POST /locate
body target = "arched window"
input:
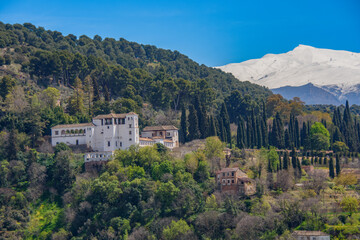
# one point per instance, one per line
(63, 132)
(76, 131)
(67, 131)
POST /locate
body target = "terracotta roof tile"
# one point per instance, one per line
(160, 128)
(114, 115)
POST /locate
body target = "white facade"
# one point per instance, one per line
(106, 132)
(167, 135)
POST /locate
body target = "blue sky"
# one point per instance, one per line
(210, 32)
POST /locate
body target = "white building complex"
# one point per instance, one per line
(107, 133)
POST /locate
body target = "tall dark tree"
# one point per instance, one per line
(259, 133)
(297, 134)
(194, 132)
(183, 126)
(331, 168)
(264, 127)
(212, 126)
(304, 135)
(337, 165)
(240, 137)
(224, 116)
(286, 160)
(293, 158)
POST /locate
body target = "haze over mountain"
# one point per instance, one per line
(330, 72)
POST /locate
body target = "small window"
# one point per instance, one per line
(232, 181)
(130, 139)
(57, 142)
(129, 125)
(77, 142)
(228, 174)
(102, 122)
(116, 143)
(223, 174)
(120, 144)
(108, 143)
(232, 173)
(108, 127)
(56, 132)
(115, 121)
(129, 132)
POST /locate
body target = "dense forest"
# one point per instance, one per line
(153, 193)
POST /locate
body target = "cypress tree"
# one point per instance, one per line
(193, 124)
(286, 160)
(336, 117)
(291, 131)
(183, 126)
(212, 127)
(303, 135)
(331, 168)
(259, 133)
(240, 134)
(226, 123)
(338, 169)
(249, 133)
(254, 129)
(293, 158)
(264, 127)
(298, 168)
(297, 133)
(287, 139)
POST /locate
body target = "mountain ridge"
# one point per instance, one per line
(325, 68)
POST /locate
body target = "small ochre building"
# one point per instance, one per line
(233, 181)
(109, 132)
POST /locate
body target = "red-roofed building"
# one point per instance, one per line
(233, 181)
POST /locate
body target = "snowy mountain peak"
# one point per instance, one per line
(325, 68)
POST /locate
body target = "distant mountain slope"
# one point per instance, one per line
(337, 72)
(308, 93)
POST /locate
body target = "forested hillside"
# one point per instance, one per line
(150, 192)
(112, 64)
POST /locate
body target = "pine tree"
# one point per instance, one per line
(331, 168)
(193, 124)
(337, 165)
(183, 126)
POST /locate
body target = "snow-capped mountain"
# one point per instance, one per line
(335, 72)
